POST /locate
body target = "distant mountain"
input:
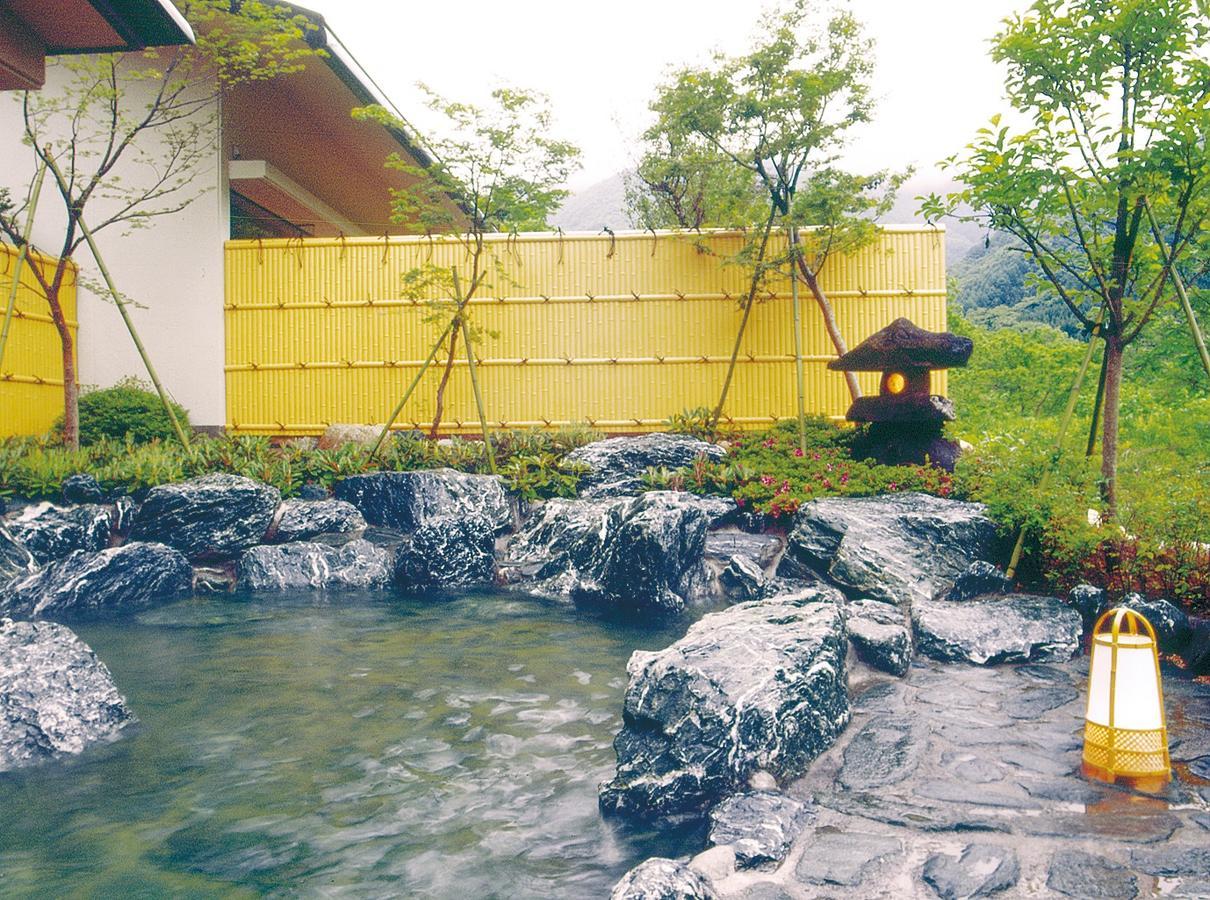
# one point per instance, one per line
(604, 204)
(595, 207)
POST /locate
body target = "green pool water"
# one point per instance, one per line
(343, 746)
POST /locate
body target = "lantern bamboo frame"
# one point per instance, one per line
(1137, 757)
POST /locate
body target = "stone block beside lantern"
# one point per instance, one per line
(905, 418)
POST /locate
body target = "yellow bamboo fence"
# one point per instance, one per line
(31, 373)
(619, 332)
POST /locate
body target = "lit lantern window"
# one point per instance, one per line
(1125, 738)
(895, 383)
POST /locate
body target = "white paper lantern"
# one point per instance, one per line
(1125, 737)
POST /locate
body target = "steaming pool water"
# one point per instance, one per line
(348, 745)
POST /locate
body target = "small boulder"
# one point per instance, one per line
(15, 560)
(758, 686)
(121, 579)
(312, 491)
(57, 697)
(616, 465)
(211, 517)
(880, 635)
(448, 552)
(338, 435)
(980, 579)
(305, 520)
(1170, 622)
(760, 826)
(742, 579)
(663, 879)
(897, 548)
(82, 488)
(407, 500)
(1197, 653)
(990, 630)
(980, 871)
(51, 532)
(1088, 601)
(298, 565)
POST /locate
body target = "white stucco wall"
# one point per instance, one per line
(172, 268)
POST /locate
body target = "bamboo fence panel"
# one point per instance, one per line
(31, 373)
(619, 332)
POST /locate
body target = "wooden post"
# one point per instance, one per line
(22, 254)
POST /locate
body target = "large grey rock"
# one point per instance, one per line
(51, 532)
(880, 635)
(1074, 873)
(121, 579)
(447, 552)
(1007, 628)
(898, 548)
(759, 826)
(662, 879)
(625, 553)
(616, 465)
(56, 697)
(305, 520)
(214, 516)
(407, 500)
(759, 686)
(15, 560)
(297, 565)
(980, 871)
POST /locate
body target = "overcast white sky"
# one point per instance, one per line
(599, 63)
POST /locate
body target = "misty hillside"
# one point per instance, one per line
(604, 204)
(593, 208)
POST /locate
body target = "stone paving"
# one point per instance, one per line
(960, 781)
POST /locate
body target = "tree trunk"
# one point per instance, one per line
(71, 388)
(829, 321)
(1109, 434)
(445, 379)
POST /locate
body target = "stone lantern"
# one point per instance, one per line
(905, 419)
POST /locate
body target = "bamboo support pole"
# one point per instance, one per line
(470, 362)
(121, 305)
(415, 383)
(1096, 407)
(743, 323)
(1064, 423)
(799, 374)
(22, 255)
(1179, 283)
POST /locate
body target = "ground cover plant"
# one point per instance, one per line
(532, 464)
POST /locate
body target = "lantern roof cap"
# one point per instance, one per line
(903, 345)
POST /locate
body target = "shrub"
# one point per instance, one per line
(128, 409)
(768, 473)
